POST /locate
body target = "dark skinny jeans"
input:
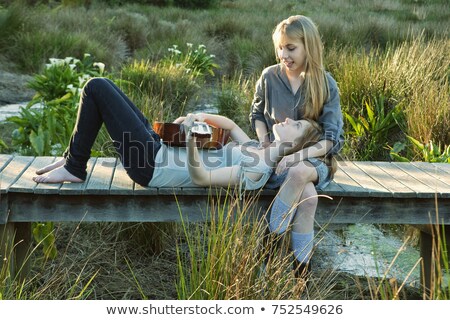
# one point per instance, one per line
(132, 136)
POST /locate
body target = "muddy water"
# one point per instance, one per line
(369, 250)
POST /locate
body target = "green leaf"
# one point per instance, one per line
(416, 143)
(351, 120)
(37, 142)
(370, 114)
(364, 123)
(397, 157)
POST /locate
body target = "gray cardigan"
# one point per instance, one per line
(274, 102)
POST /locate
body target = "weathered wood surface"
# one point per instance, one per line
(367, 192)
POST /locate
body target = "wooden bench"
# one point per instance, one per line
(362, 192)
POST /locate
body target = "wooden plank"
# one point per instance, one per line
(443, 166)
(163, 208)
(372, 187)
(140, 190)
(438, 187)
(435, 172)
(386, 211)
(394, 186)
(4, 160)
(121, 182)
(12, 172)
(94, 208)
(101, 177)
(78, 188)
(333, 189)
(25, 183)
(421, 189)
(350, 186)
(169, 191)
(194, 191)
(4, 209)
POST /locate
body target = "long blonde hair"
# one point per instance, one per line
(316, 87)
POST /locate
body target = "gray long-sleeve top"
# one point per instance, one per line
(274, 102)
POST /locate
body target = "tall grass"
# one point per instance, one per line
(97, 261)
(226, 258)
(413, 75)
(162, 92)
(59, 283)
(223, 259)
(234, 99)
(439, 286)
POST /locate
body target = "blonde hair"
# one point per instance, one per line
(311, 136)
(316, 88)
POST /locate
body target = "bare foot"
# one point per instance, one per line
(57, 175)
(51, 166)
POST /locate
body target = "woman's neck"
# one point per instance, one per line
(296, 79)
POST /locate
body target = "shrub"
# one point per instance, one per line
(47, 130)
(234, 100)
(194, 60)
(33, 35)
(429, 152)
(133, 28)
(167, 87)
(369, 133)
(196, 4)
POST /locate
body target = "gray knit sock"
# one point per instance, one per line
(302, 245)
(280, 216)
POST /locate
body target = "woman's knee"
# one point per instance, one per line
(302, 173)
(95, 84)
(306, 210)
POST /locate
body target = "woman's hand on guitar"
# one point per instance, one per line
(200, 117)
(179, 120)
(189, 120)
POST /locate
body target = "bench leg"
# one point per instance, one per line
(15, 244)
(428, 249)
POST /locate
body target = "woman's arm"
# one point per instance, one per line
(224, 177)
(261, 131)
(218, 121)
(319, 149)
(256, 116)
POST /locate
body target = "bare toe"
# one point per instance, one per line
(58, 175)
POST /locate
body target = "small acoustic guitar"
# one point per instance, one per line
(208, 137)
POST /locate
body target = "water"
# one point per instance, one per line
(10, 110)
(206, 108)
(370, 251)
